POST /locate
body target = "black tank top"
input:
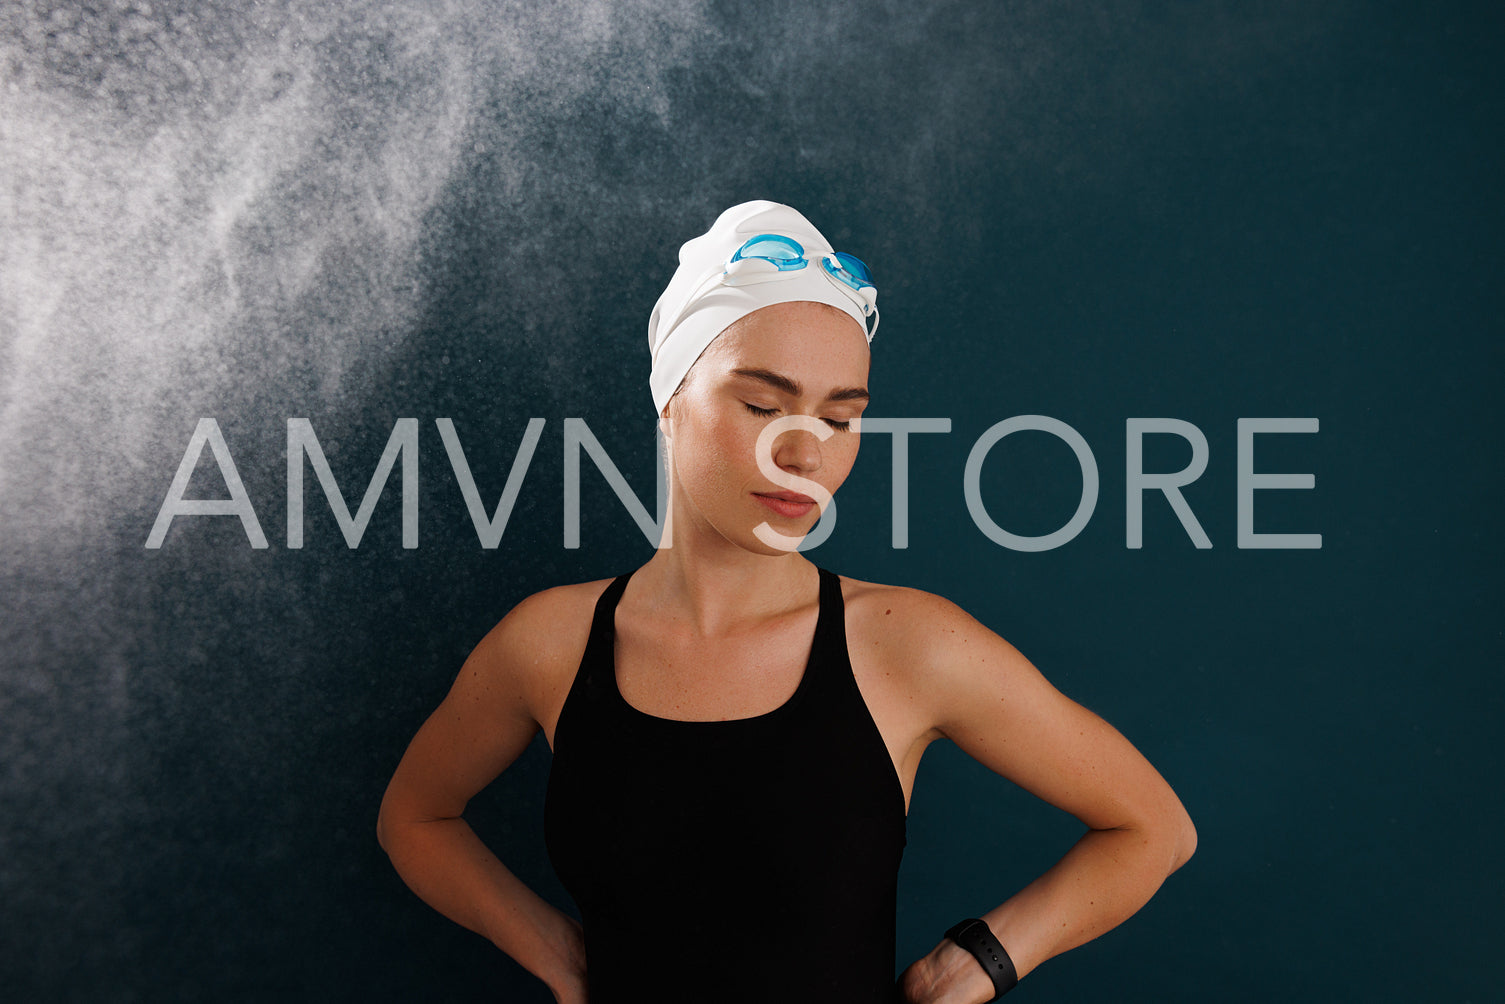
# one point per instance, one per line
(719, 862)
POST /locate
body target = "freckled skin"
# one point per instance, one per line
(712, 433)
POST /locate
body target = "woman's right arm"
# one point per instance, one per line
(482, 726)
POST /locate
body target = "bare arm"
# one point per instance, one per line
(480, 728)
(994, 704)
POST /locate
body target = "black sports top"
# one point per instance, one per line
(719, 862)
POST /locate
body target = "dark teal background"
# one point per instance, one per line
(1095, 212)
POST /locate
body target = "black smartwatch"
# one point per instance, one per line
(976, 937)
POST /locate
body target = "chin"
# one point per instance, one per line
(756, 543)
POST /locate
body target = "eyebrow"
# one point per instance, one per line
(788, 386)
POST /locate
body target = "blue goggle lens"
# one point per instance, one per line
(850, 270)
(785, 253)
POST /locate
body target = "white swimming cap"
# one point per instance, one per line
(692, 311)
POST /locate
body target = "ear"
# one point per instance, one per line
(665, 423)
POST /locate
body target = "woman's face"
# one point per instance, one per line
(799, 358)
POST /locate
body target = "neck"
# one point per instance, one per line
(716, 590)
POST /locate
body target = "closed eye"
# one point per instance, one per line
(766, 412)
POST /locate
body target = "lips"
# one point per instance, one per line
(789, 505)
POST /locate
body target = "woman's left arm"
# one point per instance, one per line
(993, 703)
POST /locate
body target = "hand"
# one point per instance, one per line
(948, 975)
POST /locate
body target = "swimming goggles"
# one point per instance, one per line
(769, 257)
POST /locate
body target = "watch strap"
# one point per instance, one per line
(976, 937)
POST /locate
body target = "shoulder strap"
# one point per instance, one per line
(598, 647)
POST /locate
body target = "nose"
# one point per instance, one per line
(798, 451)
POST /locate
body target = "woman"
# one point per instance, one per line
(736, 730)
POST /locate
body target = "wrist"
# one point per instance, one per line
(563, 972)
(976, 938)
(957, 977)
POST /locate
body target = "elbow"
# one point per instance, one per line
(398, 824)
(387, 826)
(1169, 836)
(381, 832)
(1186, 840)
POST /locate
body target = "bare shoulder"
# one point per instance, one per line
(882, 616)
(534, 650)
(498, 703)
(939, 653)
(907, 620)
